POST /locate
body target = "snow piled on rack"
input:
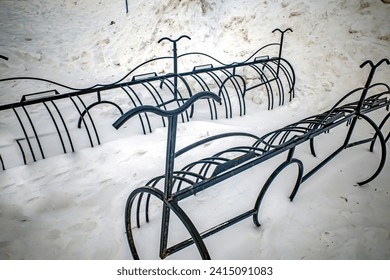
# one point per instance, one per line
(72, 206)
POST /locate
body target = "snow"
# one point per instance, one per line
(71, 206)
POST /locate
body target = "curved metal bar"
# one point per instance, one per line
(93, 105)
(383, 145)
(273, 136)
(184, 174)
(90, 118)
(286, 74)
(64, 124)
(197, 239)
(25, 135)
(147, 108)
(212, 138)
(154, 98)
(204, 161)
(178, 99)
(291, 77)
(128, 215)
(2, 163)
(267, 83)
(218, 82)
(242, 150)
(135, 105)
(271, 178)
(279, 84)
(153, 183)
(380, 84)
(85, 125)
(223, 89)
(34, 131)
(204, 87)
(380, 128)
(56, 126)
(229, 64)
(284, 31)
(376, 65)
(274, 78)
(174, 40)
(40, 80)
(240, 92)
(327, 115)
(22, 151)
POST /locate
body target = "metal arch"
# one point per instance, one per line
(223, 89)
(168, 206)
(89, 107)
(267, 83)
(56, 126)
(178, 100)
(135, 105)
(34, 131)
(64, 124)
(155, 181)
(205, 87)
(22, 151)
(218, 83)
(276, 79)
(90, 118)
(158, 104)
(26, 137)
(290, 76)
(383, 145)
(380, 128)
(271, 179)
(212, 138)
(147, 108)
(85, 125)
(240, 91)
(286, 75)
(326, 116)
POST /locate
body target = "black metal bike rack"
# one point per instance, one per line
(177, 185)
(169, 89)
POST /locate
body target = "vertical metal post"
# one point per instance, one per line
(127, 7)
(364, 95)
(280, 46)
(174, 49)
(168, 184)
(174, 70)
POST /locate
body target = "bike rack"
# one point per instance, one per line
(274, 76)
(177, 185)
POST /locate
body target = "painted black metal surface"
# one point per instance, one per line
(177, 185)
(274, 77)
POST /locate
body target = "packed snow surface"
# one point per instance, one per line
(71, 206)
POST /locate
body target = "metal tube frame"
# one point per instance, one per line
(274, 70)
(280, 141)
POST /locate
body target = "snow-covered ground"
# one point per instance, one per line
(71, 206)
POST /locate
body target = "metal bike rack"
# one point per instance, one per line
(32, 142)
(177, 185)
